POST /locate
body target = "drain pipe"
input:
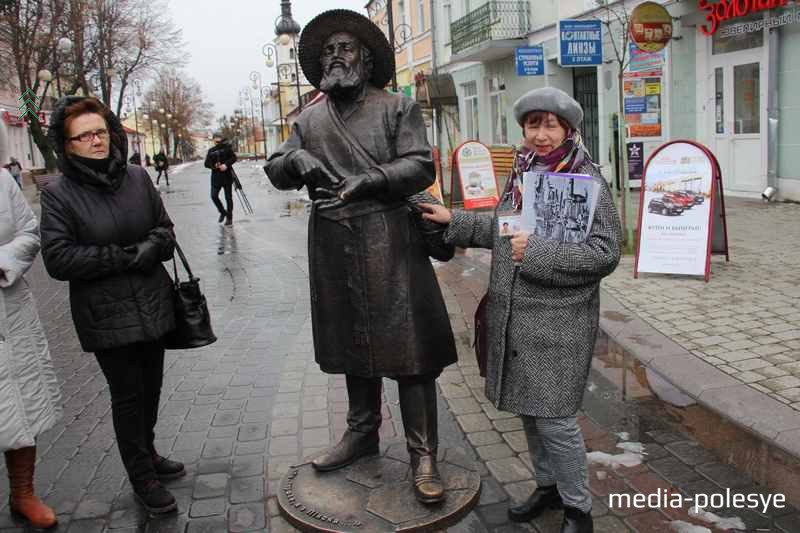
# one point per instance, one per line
(773, 118)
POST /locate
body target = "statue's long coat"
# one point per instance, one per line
(377, 309)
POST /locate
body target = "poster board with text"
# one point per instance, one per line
(474, 169)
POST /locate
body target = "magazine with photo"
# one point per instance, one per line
(560, 207)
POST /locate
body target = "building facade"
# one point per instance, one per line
(732, 90)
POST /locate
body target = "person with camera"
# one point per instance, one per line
(220, 159)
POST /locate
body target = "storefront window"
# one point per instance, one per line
(471, 110)
(497, 98)
(719, 100)
(747, 102)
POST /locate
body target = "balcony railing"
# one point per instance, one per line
(497, 19)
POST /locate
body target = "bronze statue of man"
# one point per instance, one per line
(377, 310)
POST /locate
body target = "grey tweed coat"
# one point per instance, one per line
(543, 315)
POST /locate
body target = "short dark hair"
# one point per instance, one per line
(536, 117)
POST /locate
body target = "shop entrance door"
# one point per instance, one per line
(739, 85)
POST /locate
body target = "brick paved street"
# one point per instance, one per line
(240, 411)
(746, 320)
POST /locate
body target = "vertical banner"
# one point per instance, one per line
(680, 186)
(635, 160)
(475, 169)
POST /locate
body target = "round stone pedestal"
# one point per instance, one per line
(375, 494)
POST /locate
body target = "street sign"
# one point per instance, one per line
(530, 61)
(650, 27)
(580, 43)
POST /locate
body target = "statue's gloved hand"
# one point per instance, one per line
(353, 188)
(311, 171)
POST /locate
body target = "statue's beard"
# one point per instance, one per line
(342, 82)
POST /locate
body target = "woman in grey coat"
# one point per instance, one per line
(543, 308)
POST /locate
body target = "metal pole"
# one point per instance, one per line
(390, 21)
(253, 124)
(263, 127)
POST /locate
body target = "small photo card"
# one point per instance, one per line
(509, 223)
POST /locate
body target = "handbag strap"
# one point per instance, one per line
(184, 261)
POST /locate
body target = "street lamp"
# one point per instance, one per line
(63, 47)
(270, 52)
(255, 77)
(131, 99)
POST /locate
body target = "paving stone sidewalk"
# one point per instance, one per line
(746, 320)
(239, 412)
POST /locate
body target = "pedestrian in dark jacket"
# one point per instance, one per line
(543, 308)
(220, 160)
(162, 165)
(136, 159)
(105, 230)
(147, 160)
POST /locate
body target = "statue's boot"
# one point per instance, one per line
(418, 407)
(363, 420)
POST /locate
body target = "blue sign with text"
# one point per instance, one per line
(530, 61)
(580, 43)
(635, 105)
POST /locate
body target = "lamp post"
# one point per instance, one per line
(270, 52)
(63, 46)
(287, 29)
(255, 77)
(248, 96)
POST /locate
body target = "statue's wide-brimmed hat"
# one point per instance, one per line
(326, 24)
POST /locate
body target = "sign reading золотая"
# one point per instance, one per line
(580, 43)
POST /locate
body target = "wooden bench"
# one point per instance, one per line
(503, 159)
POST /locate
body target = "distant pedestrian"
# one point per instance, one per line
(105, 230)
(220, 160)
(147, 160)
(542, 308)
(136, 159)
(162, 165)
(15, 168)
(31, 401)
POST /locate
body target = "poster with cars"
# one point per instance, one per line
(475, 170)
(675, 213)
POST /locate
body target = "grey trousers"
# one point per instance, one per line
(559, 458)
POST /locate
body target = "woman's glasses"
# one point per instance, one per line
(88, 136)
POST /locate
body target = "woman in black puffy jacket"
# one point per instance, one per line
(105, 230)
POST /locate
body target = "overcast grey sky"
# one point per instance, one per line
(225, 37)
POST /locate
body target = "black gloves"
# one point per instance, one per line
(145, 255)
(353, 188)
(311, 171)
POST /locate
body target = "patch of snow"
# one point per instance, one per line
(623, 435)
(685, 527)
(615, 461)
(718, 521)
(633, 447)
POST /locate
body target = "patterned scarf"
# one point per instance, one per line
(566, 158)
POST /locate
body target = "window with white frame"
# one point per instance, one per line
(421, 16)
(470, 91)
(497, 101)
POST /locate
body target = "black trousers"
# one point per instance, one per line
(134, 374)
(215, 188)
(166, 175)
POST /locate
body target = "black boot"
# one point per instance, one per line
(154, 497)
(363, 420)
(221, 217)
(229, 220)
(418, 407)
(167, 469)
(541, 499)
(576, 521)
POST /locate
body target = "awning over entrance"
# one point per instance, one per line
(434, 90)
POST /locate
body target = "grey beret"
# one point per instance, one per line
(552, 100)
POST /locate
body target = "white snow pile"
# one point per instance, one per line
(623, 435)
(633, 447)
(718, 521)
(615, 461)
(685, 527)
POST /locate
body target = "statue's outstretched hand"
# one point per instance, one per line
(351, 188)
(311, 170)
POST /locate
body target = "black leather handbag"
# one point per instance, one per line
(192, 321)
